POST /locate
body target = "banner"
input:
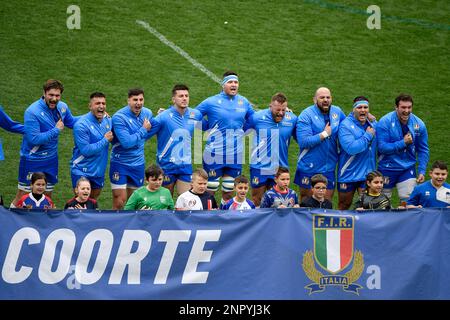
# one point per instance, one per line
(263, 254)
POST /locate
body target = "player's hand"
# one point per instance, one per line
(420, 178)
(408, 138)
(147, 125)
(109, 136)
(370, 130)
(60, 124)
(371, 117)
(328, 129)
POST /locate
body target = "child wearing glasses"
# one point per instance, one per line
(317, 200)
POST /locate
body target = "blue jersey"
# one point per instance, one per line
(174, 132)
(90, 153)
(270, 144)
(40, 141)
(28, 201)
(226, 116)
(318, 156)
(393, 153)
(358, 150)
(130, 136)
(232, 204)
(273, 198)
(10, 125)
(427, 195)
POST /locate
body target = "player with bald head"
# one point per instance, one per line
(317, 132)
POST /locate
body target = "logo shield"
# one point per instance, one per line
(333, 241)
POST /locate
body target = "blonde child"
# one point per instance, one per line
(82, 199)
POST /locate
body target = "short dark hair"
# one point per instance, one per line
(403, 97)
(372, 175)
(38, 175)
(281, 170)
(360, 98)
(135, 92)
(97, 94)
(153, 171)
(177, 87)
(240, 179)
(229, 73)
(315, 179)
(439, 164)
(279, 97)
(53, 84)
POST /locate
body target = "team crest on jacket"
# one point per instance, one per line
(255, 180)
(212, 173)
(334, 116)
(333, 252)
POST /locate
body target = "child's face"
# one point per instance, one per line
(438, 176)
(155, 183)
(283, 181)
(241, 191)
(199, 184)
(376, 185)
(319, 190)
(83, 190)
(38, 186)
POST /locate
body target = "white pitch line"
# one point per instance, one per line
(178, 50)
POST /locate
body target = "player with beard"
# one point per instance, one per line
(44, 121)
(317, 133)
(274, 127)
(223, 156)
(402, 138)
(92, 135)
(358, 151)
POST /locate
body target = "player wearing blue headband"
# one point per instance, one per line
(223, 155)
(358, 151)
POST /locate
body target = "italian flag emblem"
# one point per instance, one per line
(333, 241)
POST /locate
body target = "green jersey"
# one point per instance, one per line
(143, 199)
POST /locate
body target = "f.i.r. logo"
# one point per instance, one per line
(333, 252)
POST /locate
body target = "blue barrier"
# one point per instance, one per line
(261, 254)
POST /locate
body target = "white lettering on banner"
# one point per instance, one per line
(197, 255)
(9, 273)
(172, 239)
(132, 260)
(133, 248)
(106, 239)
(68, 239)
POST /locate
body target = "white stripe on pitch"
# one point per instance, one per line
(333, 250)
(178, 50)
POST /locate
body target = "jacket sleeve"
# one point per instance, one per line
(10, 125)
(82, 141)
(423, 151)
(350, 144)
(121, 132)
(384, 144)
(414, 198)
(305, 137)
(156, 126)
(70, 120)
(33, 132)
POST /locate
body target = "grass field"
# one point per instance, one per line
(289, 46)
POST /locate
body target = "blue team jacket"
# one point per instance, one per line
(10, 125)
(357, 150)
(40, 141)
(130, 136)
(265, 139)
(90, 153)
(174, 132)
(317, 156)
(393, 154)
